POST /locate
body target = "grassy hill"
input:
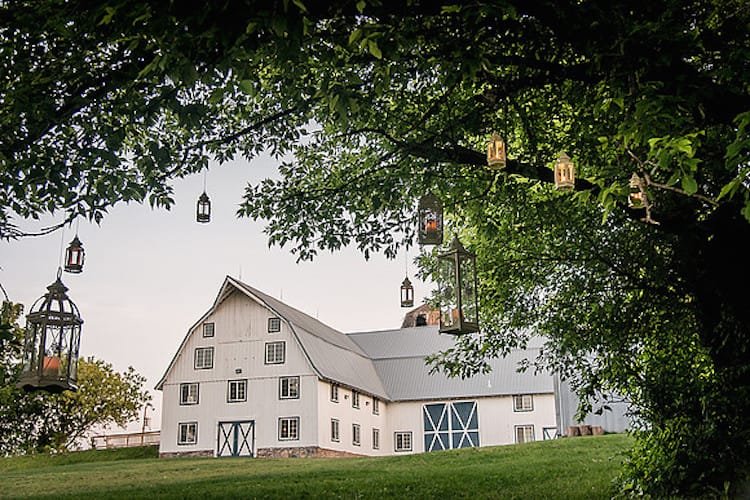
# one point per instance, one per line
(565, 468)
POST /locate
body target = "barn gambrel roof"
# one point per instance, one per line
(388, 364)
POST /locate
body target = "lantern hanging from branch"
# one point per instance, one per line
(407, 293)
(203, 209)
(74, 255)
(459, 311)
(637, 196)
(565, 173)
(53, 333)
(430, 220)
(496, 152)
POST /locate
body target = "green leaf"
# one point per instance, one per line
(450, 9)
(107, 18)
(689, 184)
(248, 86)
(361, 6)
(730, 188)
(300, 5)
(746, 211)
(354, 36)
(372, 46)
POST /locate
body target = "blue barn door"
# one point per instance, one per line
(235, 439)
(450, 425)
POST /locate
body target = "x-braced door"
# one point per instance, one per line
(236, 439)
(450, 425)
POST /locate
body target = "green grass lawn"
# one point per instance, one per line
(564, 468)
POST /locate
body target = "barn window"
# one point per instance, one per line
(524, 433)
(335, 434)
(236, 391)
(334, 393)
(187, 433)
(275, 353)
(288, 428)
(274, 325)
(523, 402)
(204, 358)
(208, 329)
(355, 399)
(375, 439)
(189, 393)
(289, 388)
(402, 441)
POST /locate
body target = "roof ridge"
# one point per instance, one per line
(390, 330)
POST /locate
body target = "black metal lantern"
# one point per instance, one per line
(53, 334)
(407, 293)
(74, 255)
(565, 173)
(637, 195)
(459, 311)
(430, 220)
(203, 209)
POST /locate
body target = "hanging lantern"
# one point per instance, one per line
(459, 311)
(496, 152)
(407, 293)
(430, 220)
(637, 196)
(53, 333)
(74, 255)
(203, 209)
(565, 173)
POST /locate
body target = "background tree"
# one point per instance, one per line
(39, 421)
(381, 102)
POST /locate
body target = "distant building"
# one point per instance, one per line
(126, 440)
(424, 315)
(256, 377)
(612, 413)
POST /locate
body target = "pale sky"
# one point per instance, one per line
(151, 274)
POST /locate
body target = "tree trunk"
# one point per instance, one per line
(718, 273)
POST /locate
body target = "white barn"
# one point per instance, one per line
(256, 377)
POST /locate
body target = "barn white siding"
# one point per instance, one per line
(347, 415)
(239, 342)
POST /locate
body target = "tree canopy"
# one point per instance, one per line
(369, 105)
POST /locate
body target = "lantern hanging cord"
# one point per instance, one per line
(62, 244)
(78, 223)
(205, 174)
(406, 263)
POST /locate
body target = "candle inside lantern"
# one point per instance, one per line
(51, 365)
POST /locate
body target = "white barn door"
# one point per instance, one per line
(235, 439)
